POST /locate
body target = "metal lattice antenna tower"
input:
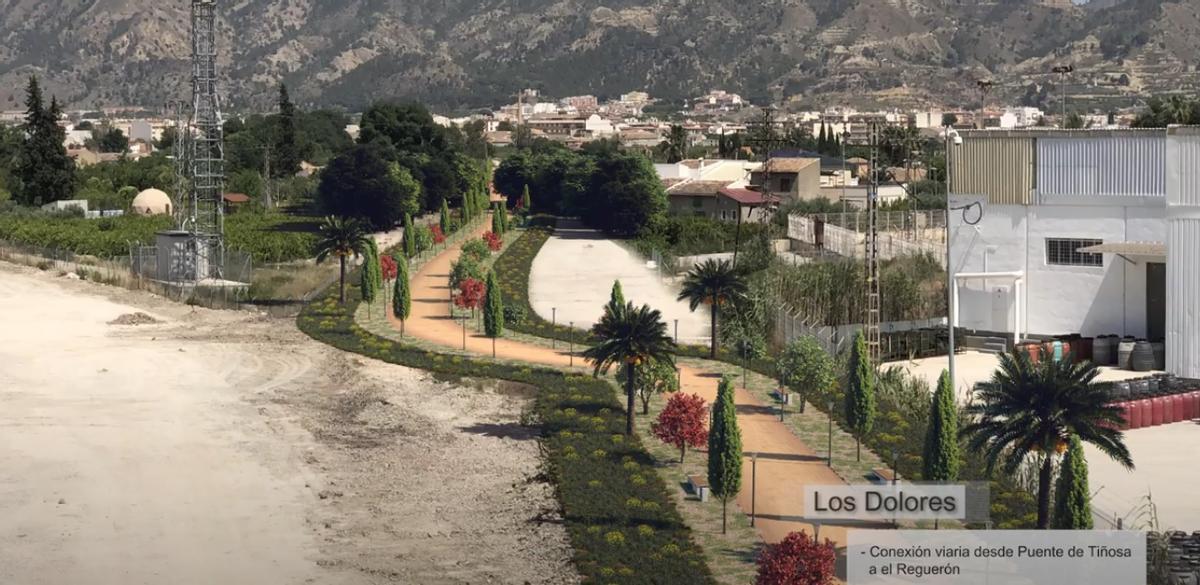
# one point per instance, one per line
(872, 253)
(204, 218)
(177, 110)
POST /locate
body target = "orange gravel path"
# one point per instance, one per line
(785, 464)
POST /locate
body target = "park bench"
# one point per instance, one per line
(883, 475)
(699, 486)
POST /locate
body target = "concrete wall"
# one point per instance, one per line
(1055, 299)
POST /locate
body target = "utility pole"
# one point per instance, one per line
(872, 251)
(985, 86)
(1063, 71)
(267, 198)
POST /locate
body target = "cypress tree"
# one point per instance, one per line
(526, 202)
(617, 297)
(941, 438)
(822, 140)
(493, 308)
(503, 215)
(724, 449)
(42, 168)
(1072, 510)
(286, 156)
(860, 393)
(469, 204)
(497, 223)
(410, 238)
(402, 294)
(370, 276)
(444, 219)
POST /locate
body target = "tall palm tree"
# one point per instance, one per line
(632, 337)
(342, 237)
(716, 284)
(1032, 410)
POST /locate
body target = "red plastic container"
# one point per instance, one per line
(1177, 408)
(1195, 404)
(1169, 410)
(1157, 410)
(1144, 406)
(1133, 414)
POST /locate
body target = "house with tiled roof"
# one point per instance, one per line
(789, 178)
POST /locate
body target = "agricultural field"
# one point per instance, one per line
(268, 237)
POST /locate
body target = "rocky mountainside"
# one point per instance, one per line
(465, 53)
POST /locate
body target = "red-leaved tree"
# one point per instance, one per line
(796, 560)
(493, 241)
(681, 423)
(471, 293)
(387, 266)
(438, 236)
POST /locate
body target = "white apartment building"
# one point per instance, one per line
(1092, 232)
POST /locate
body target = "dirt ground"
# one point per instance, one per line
(222, 447)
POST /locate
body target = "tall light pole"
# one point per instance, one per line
(984, 85)
(1063, 71)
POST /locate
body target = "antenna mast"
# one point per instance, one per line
(872, 243)
(205, 164)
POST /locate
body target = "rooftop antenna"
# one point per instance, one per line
(204, 166)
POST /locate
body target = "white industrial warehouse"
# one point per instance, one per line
(1079, 232)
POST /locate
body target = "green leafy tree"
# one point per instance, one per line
(724, 449)
(42, 171)
(361, 183)
(111, 139)
(444, 218)
(402, 294)
(860, 393)
(285, 151)
(632, 337)
(941, 460)
(623, 195)
(1072, 506)
(343, 238)
(716, 284)
(676, 144)
(1030, 411)
(807, 369)
(493, 308)
(654, 377)
(1074, 121)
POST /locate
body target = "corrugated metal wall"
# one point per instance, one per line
(1183, 252)
(1130, 165)
(1000, 167)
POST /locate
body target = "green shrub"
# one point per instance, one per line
(476, 250)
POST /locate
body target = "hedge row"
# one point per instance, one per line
(623, 525)
(894, 422)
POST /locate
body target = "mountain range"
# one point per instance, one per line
(462, 54)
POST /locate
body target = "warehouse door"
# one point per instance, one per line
(1156, 300)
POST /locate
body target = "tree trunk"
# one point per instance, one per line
(713, 352)
(857, 447)
(646, 404)
(682, 452)
(342, 281)
(1044, 479)
(630, 369)
(724, 514)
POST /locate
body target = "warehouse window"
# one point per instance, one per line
(1065, 252)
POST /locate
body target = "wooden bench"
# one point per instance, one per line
(699, 486)
(883, 475)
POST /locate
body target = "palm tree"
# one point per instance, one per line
(715, 284)
(630, 336)
(342, 237)
(1029, 409)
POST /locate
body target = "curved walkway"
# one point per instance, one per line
(785, 464)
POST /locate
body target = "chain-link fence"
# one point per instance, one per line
(242, 287)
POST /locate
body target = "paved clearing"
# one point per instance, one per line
(224, 447)
(1165, 460)
(574, 273)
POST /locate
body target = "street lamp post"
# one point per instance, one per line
(1063, 71)
(571, 353)
(464, 325)
(829, 461)
(677, 332)
(553, 325)
(753, 486)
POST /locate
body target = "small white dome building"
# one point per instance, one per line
(151, 202)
